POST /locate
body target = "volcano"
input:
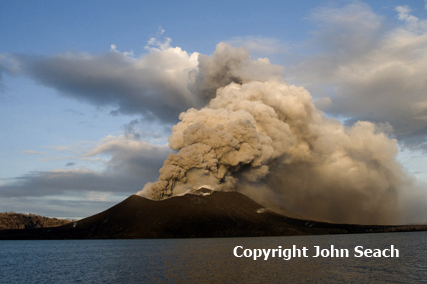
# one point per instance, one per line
(203, 214)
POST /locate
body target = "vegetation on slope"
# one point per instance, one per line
(12, 220)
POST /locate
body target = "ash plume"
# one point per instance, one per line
(264, 137)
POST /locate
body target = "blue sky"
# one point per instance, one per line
(73, 147)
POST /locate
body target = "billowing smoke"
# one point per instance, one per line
(263, 137)
(229, 64)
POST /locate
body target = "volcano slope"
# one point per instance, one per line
(201, 215)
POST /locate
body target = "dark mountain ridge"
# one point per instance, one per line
(201, 215)
(12, 220)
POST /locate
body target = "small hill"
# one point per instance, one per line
(28, 221)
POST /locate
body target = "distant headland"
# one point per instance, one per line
(12, 220)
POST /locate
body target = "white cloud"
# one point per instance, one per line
(158, 85)
(154, 85)
(412, 23)
(131, 156)
(130, 165)
(33, 152)
(259, 45)
(98, 196)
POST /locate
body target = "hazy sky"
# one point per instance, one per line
(89, 91)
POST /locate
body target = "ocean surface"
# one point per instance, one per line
(213, 261)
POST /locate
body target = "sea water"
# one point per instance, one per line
(213, 260)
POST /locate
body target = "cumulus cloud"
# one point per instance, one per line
(365, 70)
(158, 85)
(154, 85)
(134, 157)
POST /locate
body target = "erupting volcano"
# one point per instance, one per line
(256, 134)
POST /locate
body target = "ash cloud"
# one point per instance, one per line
(265, 138)
(230, 64)
(376, 70)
